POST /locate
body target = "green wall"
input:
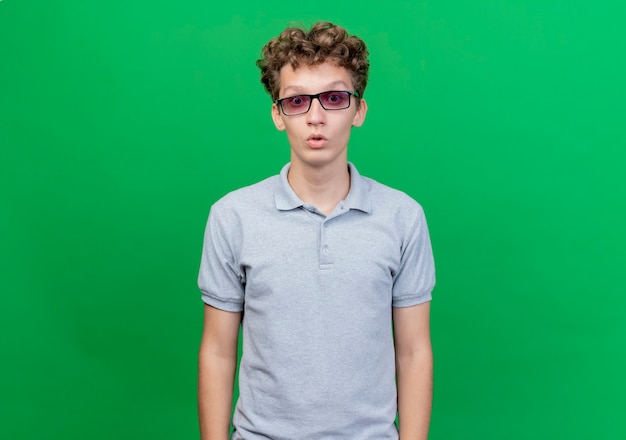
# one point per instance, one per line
(122, 122)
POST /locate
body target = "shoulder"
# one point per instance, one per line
(247, 198)
(238, 210)
(385, 199)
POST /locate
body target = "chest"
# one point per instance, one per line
(349, 259)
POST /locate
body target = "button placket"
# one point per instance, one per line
(326, 261)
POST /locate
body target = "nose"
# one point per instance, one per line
(316, 114)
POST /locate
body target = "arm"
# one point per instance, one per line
(414, 370)
(217, 362)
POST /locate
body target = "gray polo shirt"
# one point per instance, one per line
(317, 293)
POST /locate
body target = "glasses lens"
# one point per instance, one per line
(296, 104)
(335, 100)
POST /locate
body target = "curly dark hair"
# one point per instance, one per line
(324, 42)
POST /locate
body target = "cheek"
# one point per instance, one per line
(292, 133)
(349, 123)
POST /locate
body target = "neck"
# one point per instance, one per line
(323, 187)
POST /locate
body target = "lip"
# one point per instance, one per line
(316, 141)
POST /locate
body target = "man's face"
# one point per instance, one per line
(318, 137)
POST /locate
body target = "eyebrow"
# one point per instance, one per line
(331, 86)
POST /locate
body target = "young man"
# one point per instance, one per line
(314, 264)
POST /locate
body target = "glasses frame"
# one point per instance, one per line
(279, 102)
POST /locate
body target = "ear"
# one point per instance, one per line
(359, 117)
(276, 117)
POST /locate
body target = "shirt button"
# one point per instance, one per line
(326, 250)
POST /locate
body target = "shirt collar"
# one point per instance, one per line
(358, 197)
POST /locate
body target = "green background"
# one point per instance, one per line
(121, 123)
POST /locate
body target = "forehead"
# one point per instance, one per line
(314, 79)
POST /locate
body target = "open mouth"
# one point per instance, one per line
(316, 141)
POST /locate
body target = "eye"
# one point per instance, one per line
(296, 101)
(335, 100)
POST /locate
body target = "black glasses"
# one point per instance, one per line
(331, 100)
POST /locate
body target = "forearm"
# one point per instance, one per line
(415, 389)
(216, 375)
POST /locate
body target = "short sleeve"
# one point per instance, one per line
(415, 277)
(220, 279)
